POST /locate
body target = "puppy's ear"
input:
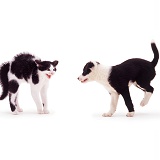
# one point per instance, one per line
(90, 65)
(54, 63)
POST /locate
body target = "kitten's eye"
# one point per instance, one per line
(48, 69)
(54, 69)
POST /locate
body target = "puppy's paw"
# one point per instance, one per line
(143, 103)
(130, 114)
(109, 114)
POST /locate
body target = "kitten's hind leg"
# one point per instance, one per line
(17, 104)
(44, 98)
(12, 99)
(13, 86)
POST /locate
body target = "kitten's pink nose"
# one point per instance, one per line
(51, 73)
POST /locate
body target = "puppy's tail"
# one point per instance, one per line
(156, 54)
(4, 79)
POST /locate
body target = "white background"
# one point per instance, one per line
(74, 32)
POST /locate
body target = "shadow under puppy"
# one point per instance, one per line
(117, 79)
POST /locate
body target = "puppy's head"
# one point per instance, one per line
(89, 72)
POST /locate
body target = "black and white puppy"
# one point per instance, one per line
(117, 79)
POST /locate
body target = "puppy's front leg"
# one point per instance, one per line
(127, 98)
(113, 105)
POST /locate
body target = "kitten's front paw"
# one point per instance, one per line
(46, 111)
(130, 114)
(39, 111)
(109, 114)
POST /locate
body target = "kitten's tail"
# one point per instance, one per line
(4, 79)
(156, 54)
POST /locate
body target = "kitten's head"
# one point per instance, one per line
(46, 67)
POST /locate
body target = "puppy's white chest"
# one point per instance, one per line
(109, 88)
(103, 75)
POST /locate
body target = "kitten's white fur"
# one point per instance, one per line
(38, 91)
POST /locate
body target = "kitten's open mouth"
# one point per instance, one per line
(48, 75)
(84, 80)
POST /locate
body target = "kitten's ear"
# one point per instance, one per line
(54, 63)
(38, 62)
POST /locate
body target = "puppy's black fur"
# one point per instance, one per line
(135, 70)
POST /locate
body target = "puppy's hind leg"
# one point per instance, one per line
(147, 95)
(127, 98)
(113, 105)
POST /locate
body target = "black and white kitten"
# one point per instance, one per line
(26, 68)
